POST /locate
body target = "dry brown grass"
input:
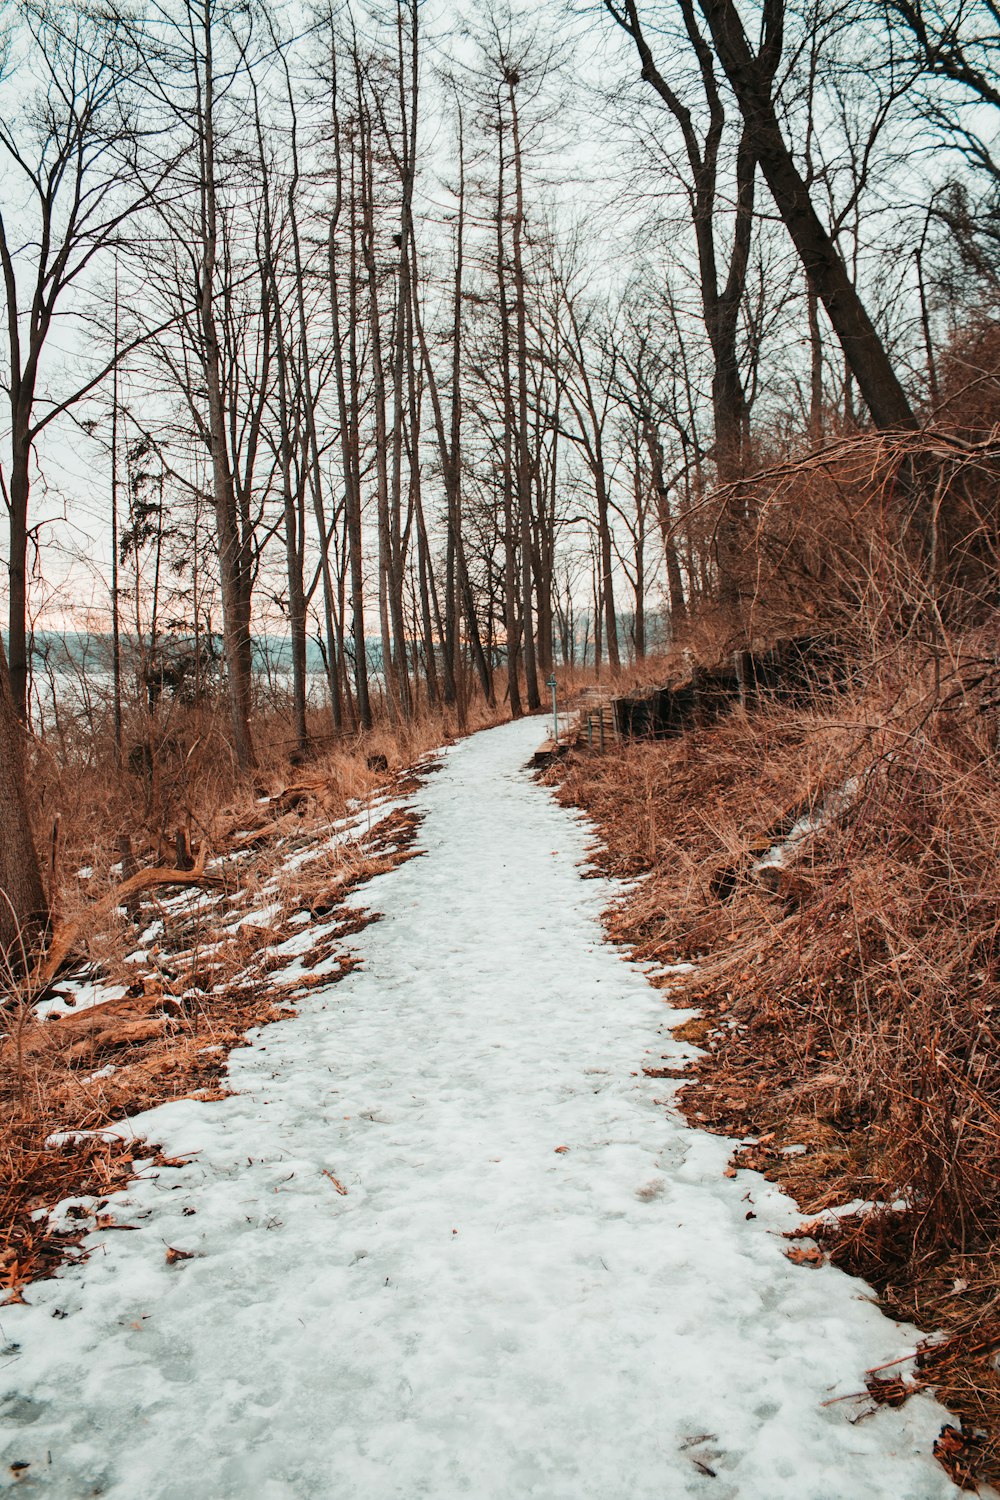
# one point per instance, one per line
(850, 1003)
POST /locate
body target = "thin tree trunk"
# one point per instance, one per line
(347, 406)
(390, 589)
(18, 487)
(639, 541)
(450, 450)
(675, 582)
(313, 461)
(23, 911)
(294, 549)
(523, 480)
(233, 568)
(512, 624)
(116, 634)
(815, 366)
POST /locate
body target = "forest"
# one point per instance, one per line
(450, 350)
(344, 329)
(378, 371)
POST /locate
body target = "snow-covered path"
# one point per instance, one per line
(482, 1314)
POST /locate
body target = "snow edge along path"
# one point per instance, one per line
(482, 1313)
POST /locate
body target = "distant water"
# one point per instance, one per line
(78, 650)
(73, 668)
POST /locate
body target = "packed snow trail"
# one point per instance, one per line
(484, 1314)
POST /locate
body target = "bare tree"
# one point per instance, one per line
(68, 144)
(458, 586)
(722, 279)
(751, 78)
(588, 395)
(640, 376)
(193, 64)
(345, 319)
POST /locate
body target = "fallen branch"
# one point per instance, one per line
(65, 938)
(301, 791)
(252, 838)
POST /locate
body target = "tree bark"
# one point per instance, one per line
(720, 298)
(512, 622)
(234, 568)
(675, 581)
(522, 459)
(23, 912)
(863, 349)
(345, 370)
(18, 490)
(450, 450)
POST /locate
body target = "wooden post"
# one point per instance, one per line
(745, 676)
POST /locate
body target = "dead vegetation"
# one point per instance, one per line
(828, 863)
(831, 870)
(175, 788)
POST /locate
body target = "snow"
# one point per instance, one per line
(302, 942)
(538, 1282)
(106, 1072)
(262, 917)
(666, 971)
(835, 805)
(64, 1137)
(344, 830)
(76, 995)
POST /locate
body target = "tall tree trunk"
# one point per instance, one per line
(292, 505)
(312, 461)
(721, 292)
(450, 451)
(23, 911)
(511, 580)
(863, 349)
(639, 542)
(345, 370)
(116, 633)
(604, 545)
(541, 552)
(390, 588)
(675, 581)
(403, 353)
(523, 480)
(18, 487)
(232, 547)
(595, 585)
